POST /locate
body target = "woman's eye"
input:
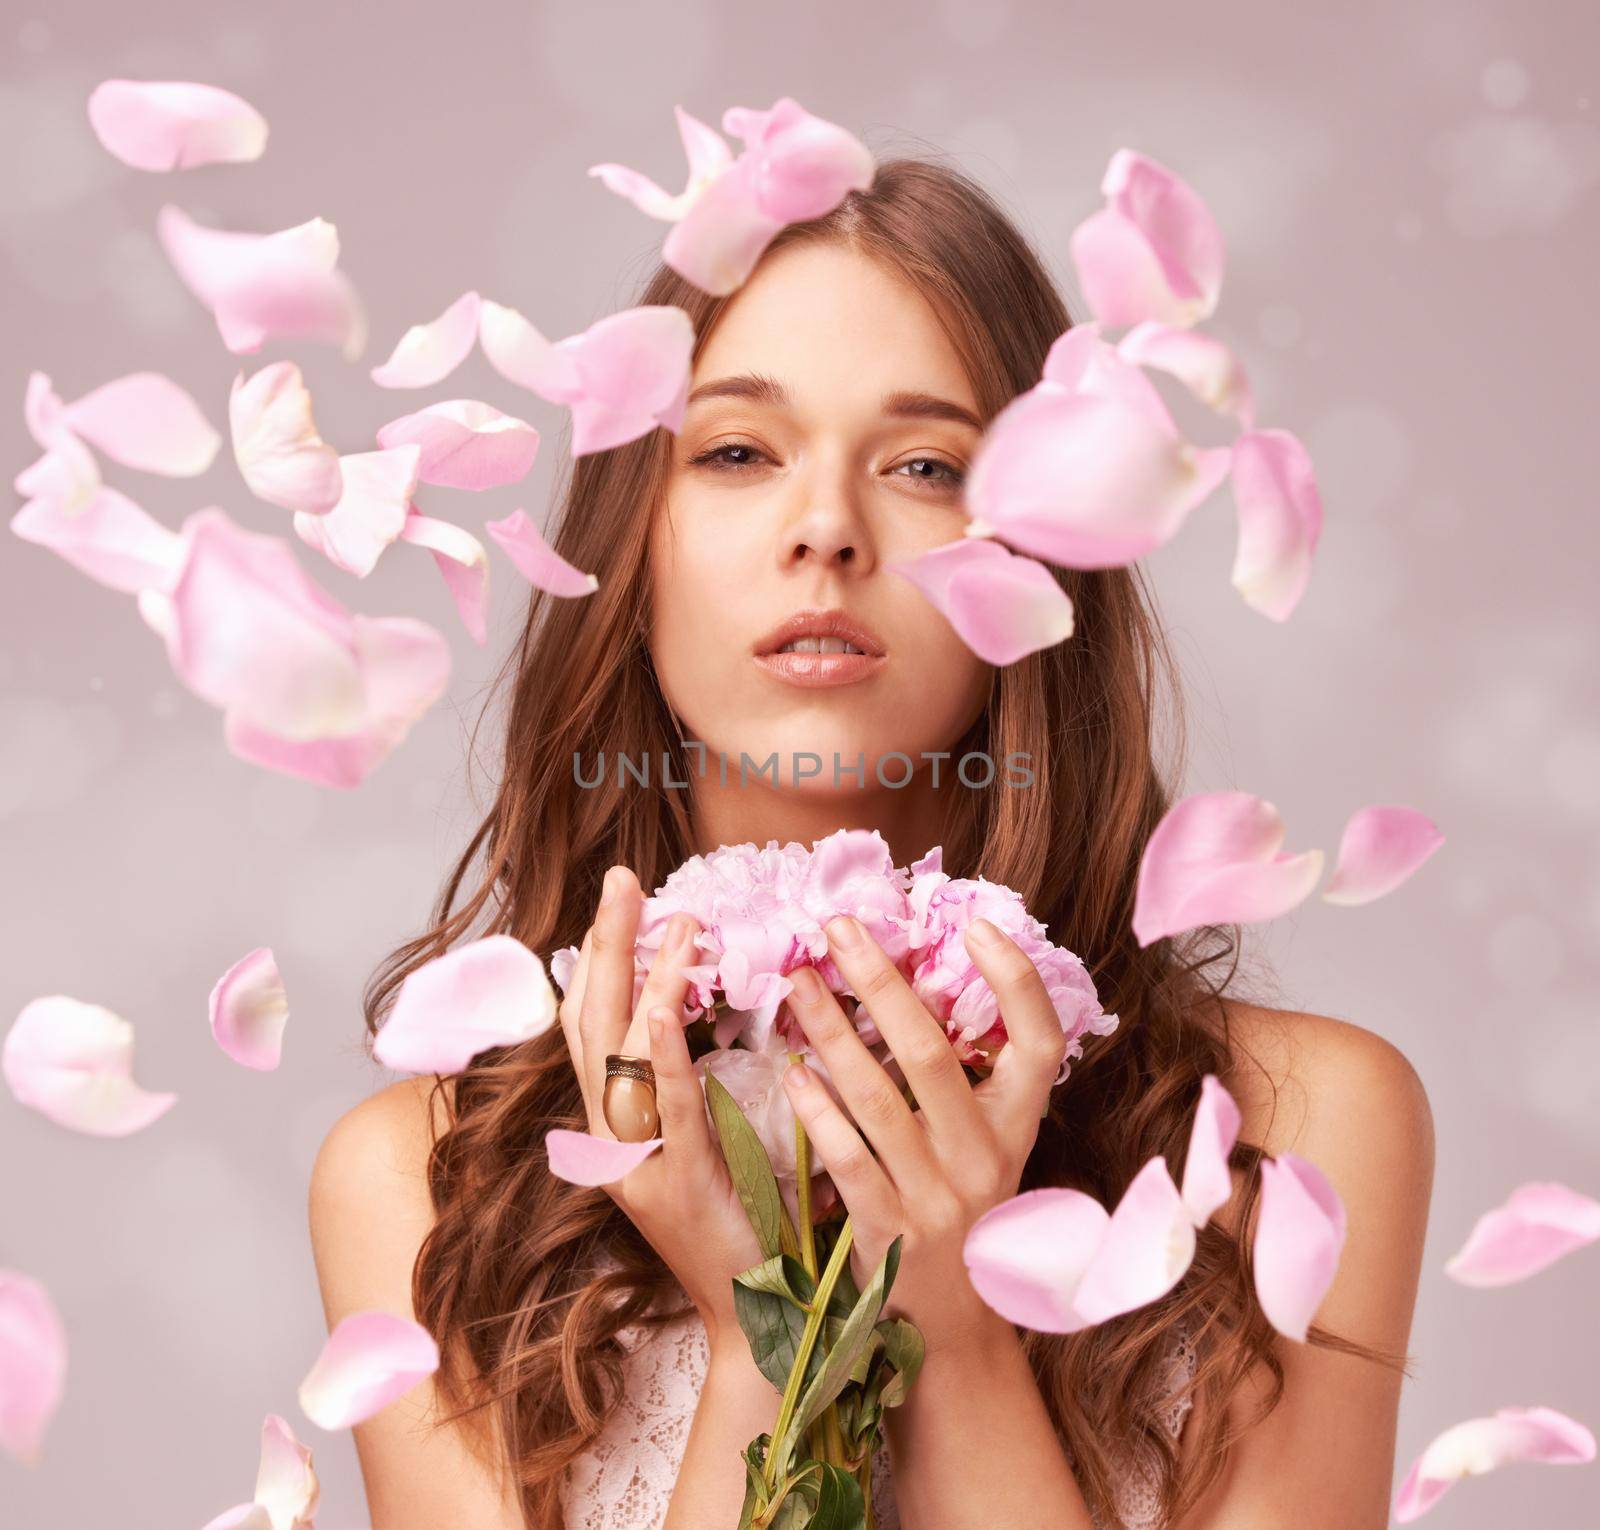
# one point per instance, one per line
(714, 457)
(931, 470)
(943, 476)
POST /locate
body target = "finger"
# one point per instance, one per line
(1017, 1091)
(568, 1011)
(665, 984)
(873, 1098)
(607, 1008)
(680, 1099)
(866, 1190)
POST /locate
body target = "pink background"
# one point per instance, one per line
(1408, 196)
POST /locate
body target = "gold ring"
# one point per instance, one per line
(629, 1100)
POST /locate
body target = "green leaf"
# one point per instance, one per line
(903, 1348)
(751, 1171)
(771, 1321)
(755, 1488)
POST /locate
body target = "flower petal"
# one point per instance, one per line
(249, 1008)
(538, 563)
(369, 1360)
(376, 490)
(33, 1364)
(1026, 1256)
(146, 421)
(275, 442)
(518, 352)
(463, 564)
(583, 1159)
(1207, 367)
(286, 1482)
(112, 540)
(429, 353)
(491, 992)
(73, 1063)
(633, 374)
(1148, 1245)
(1279, 511)
(1300, 1233)
(175, 124)
(1380, 847)
(1215, 859)
(1483, 1445)
(1539, 1223)
(1207, 1183)
(243, 1516)
(465, 444)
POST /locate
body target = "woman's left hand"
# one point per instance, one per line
(940, 1167)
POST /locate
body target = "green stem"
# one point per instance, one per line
(802, 1159)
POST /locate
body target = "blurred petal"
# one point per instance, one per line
(582, 1159)
(1207, 367)
(376, 494)
(1538, 1224)
(491, 992)
(175, 125)
(429, 353)
(1215, 859)
(1026, 1256)
(1207, 1183)
(465, 444)
(275, 442)
(1280, 520)
(1483, 1445)
(1002, 606)
(67, 473)
(1300, 1233)
(369, 1360)
(249, 1008)
(1380, 847)
(33, 1365)
(146, 421)
(1146, 1249)
(111, 540)
(286, 1483)
(708, 157)
(633, 374)
(73, 1063)
(463, 564)
(717, 242)
(538, 563)
(805, 166)
(244, 1516)
(517, 351)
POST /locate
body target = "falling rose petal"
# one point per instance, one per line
(175, 124)
(146, 421)
(1207, 367)
(429, 353)
(73, 1063)
(1026, 1256)
(376, 490)
(1300, 1233)
(1154, 252)
(465, 444)
(519, 353)
(1380, 847)
(369, 1360)
(1539, 1223)
(1279, 512)
(1481, 1445)
(244, 1516)
(66, 474)
(112, 540)
(708, 155)
(491, 992)
(582, 1159)
(1148, 1245)
(404, 666)
(281, 457)
(538, 563)
(1215, 859)
(33, 1365)
(286, 1482)
(1207, 1183)
(462, 563)
(249, 1008)
(1001, 605)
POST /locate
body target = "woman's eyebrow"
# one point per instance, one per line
(757, 388)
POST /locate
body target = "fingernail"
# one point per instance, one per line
(984, 933)
(797, 1076)
(807, 985)
(844, 932)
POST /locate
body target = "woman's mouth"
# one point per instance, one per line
(821, 661)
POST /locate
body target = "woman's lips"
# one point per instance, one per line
(814, 669)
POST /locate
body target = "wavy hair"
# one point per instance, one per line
(505, 1278)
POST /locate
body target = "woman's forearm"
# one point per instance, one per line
(972, 1445)
(736, 1404)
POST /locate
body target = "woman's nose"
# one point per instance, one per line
(829, 530)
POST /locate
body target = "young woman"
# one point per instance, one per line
(593, 1372)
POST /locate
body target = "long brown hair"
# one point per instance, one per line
(504, 1280)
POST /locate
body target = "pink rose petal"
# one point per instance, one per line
(536, 561)
(1026, 1256)
(708, 155)
(376, 490)
(369, 1360)
(518, 352)
(583, 1159)
(111, 540)
(1381, 846)
(1280, 520)
(1148, 1245)
(462, 563)
(429, 353)
(1482, 1445)
(275, 442)
(1300, 1234)
(244, 1516)
(1215, 859)
(73, 1063)
(146, 421)
(465, 444)
(33, 1365)
(1538, 1224)
(491, 992)
(175, 124)
(1207, 1184)
(286, 1482)
(249, 1008)
(1207, 367)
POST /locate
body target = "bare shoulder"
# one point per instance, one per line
(381, 1144)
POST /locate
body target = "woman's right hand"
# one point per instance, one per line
(680, 1197)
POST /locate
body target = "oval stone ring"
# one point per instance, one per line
(629, 1100)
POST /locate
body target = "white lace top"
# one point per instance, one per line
(625, 1481)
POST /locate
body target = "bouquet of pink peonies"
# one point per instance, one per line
(824, 1344)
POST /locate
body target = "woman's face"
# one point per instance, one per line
(828, 430)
